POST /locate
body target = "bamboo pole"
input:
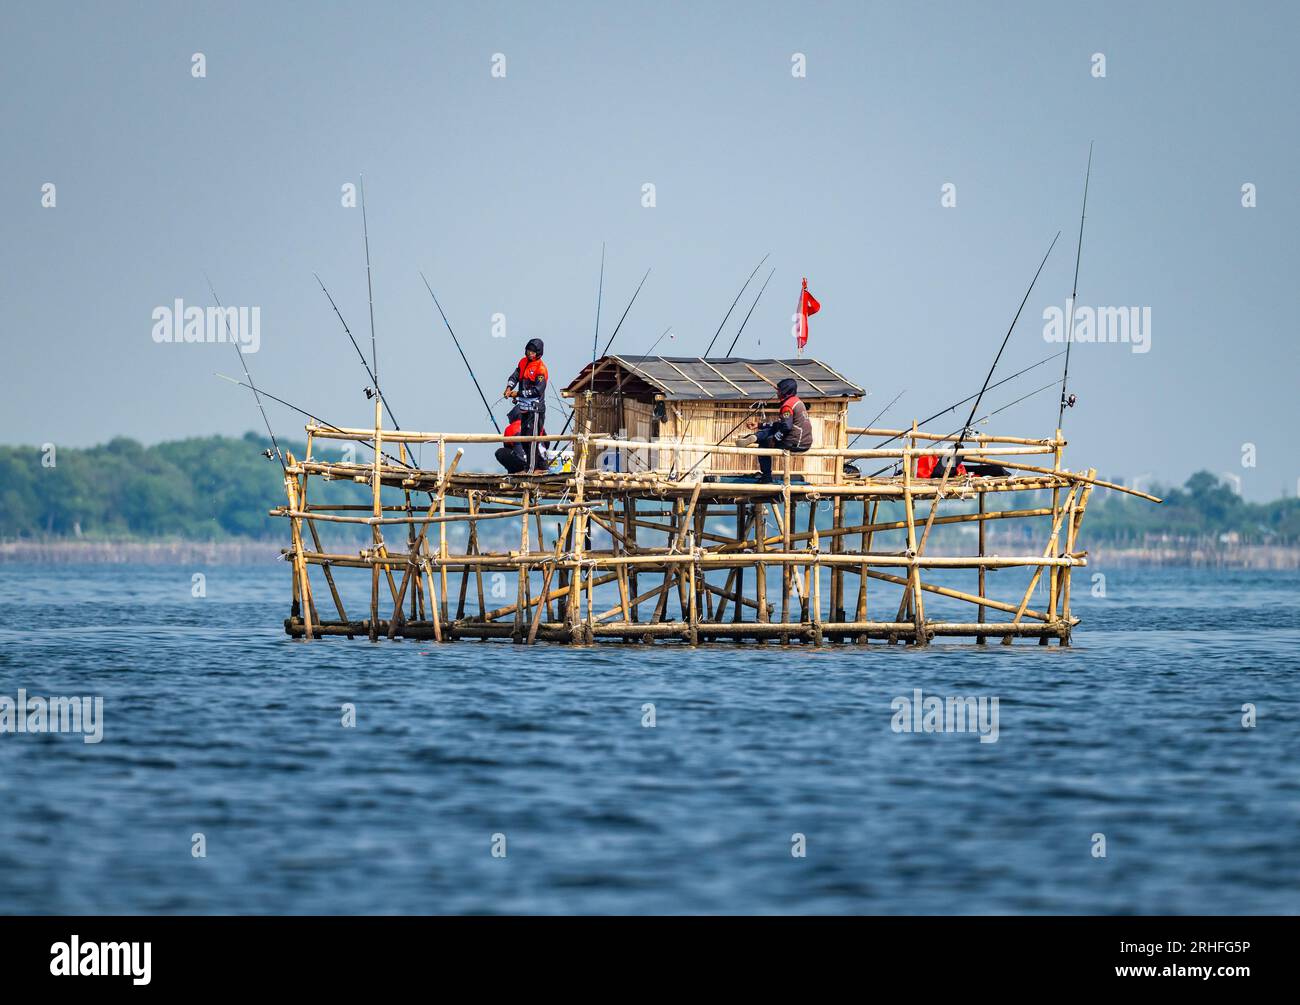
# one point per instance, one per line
(785, 545)
(630, 525)
(1045, 563)
(946, 591)
(299, 565)
(641, 598)
(435, 602)
(868, 520)
(442, 525)
(436, 503)
(410, 528)
(683, 521)
(471, 548)
(953, 437)
(302, 504)
(1076, 519)
(913, 593)
(1056, 497)
(929, 523)
(376, 537)
(1073, 477)
(983, 523)
(745, 516)
(412, 436)
(693, 615)
(713, 561)
(574, 607)
(837, 547)
(671, 630)
(521, 587)
(543, 600)
(815, 578)
(845, 454)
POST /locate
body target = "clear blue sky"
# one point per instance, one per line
(502, 190)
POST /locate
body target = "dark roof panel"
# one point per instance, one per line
(685, 378)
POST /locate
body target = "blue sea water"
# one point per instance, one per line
(216, 723)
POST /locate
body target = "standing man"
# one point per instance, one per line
(527, 386)
(792, 431)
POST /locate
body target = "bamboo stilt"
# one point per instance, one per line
(982, 590)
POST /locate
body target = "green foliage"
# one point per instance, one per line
(205, 488)
(1203, 508)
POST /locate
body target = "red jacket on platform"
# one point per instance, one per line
(926, 463)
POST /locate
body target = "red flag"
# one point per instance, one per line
(807, 305)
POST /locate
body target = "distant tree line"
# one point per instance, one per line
(207, 488)
(217, 487)
(1204, 508)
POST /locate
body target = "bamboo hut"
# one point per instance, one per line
(673, 402)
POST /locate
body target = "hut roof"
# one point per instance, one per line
(692, 378)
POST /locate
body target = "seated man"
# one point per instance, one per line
(514, 456)
(792, 431)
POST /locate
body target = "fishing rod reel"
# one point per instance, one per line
(268, 454)
(369, 393)
(1068, 400)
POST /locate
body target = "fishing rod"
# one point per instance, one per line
(360, 355)
(1010, 404)
(936, 415)
(242, 362)
(646, 354)
(600, 291)
(751, 311)
(1007, 338)
(985, 418)
(610, 341)
(743, 419)
(1026, 397)
(733, 304)
(957, 443)
(877, 416)
(1067, 400)
(556, 395)
(462, 354)
(658, 340)
(310, 415)
(365, 230)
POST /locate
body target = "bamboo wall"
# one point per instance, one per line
(704, 422)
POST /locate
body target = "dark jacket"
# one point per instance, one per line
(794, 428)
(529, 378)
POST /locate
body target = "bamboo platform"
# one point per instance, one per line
(657, 556)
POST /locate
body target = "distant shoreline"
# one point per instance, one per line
(1240, 556)
(250, 551)
(64, 551)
